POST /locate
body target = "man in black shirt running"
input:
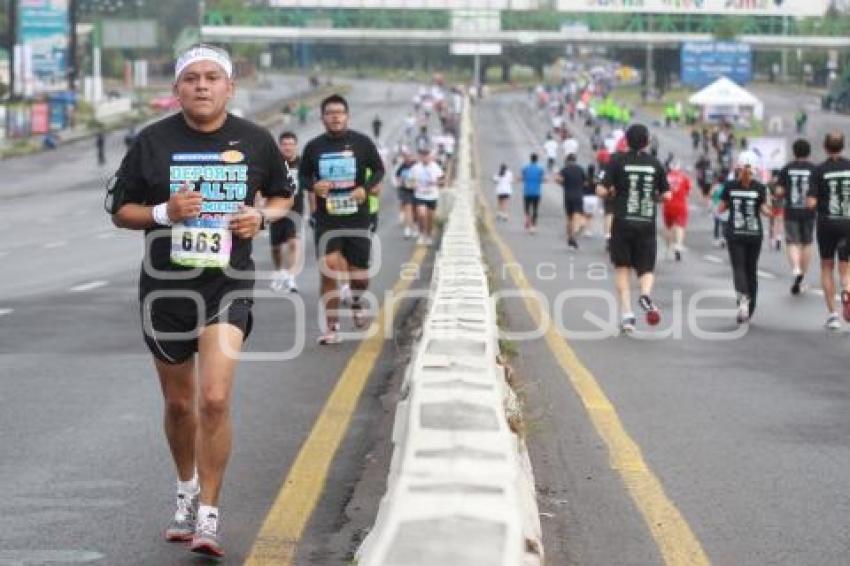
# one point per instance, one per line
(341, 168)
(634, 180)
(572, 179)
(793, 186)
(829, 195)
(189, 181)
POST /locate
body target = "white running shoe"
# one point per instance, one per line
(278, 282)
(422, 241)
(408, 233)
(182, 525)
(743, 315)
(291, 285)
(833, 322)
(628, 323)
(207, 539)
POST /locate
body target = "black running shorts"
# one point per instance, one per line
(833, 239)
(634, 248)
(283, 230)
(799, 230)
(171, 315)
(354, 247)
(573, 205)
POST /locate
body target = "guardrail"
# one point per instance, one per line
(460, 489)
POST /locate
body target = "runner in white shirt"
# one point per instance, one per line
(427, 177)
(504, 180)
(550, 146)
(571, 146)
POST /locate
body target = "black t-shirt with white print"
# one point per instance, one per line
(744, 204)
(228, 166)
(638, 180)
(796, 178)
(831, 187)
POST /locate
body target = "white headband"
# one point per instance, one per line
(204, 53)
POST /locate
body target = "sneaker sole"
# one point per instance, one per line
(175, 536)
(207, 548)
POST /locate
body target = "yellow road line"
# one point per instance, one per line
(281, 531)
(676, 542)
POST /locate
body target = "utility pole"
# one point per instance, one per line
(72, 45)
(13, 35)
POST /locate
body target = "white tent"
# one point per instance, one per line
(725, 100)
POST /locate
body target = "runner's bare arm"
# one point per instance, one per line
(276, 208)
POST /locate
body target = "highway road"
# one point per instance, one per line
(745, 436)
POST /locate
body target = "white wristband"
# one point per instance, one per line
(160, 214)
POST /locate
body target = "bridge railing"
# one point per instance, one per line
(532, 20)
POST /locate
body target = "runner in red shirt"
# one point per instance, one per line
(676, 209)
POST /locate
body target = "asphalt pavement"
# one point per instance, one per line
(747, 434)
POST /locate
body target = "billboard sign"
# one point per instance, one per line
(129, 34)
(795, 8)
(460, 48)
(703, 62)
(43, 31)
(411, 4)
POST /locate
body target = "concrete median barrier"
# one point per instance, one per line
(460, 489)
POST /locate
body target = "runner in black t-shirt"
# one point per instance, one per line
(793, 185)
(572, 179)
(829, 195)
(745, 199)
(635, 180)
(341, 168)
(189, 181)
(705, 176)
(283, 233)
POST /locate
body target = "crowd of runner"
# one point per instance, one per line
(625, 182)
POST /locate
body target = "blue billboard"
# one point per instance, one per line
(43, 30)
(703, 62)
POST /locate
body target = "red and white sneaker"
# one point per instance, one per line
(330, 336)
(653, 315)
(206, 540)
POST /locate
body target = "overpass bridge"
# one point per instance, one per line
(507, 38)
(520, 27)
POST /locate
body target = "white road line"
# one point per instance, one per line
(4, 312)
(88, 286)
(56, 244)
(712, 258)
(766, 275)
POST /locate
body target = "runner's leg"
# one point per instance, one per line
(180, 417)
(622, 276)
(330, 268)
(827, 268)
(216, 369)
